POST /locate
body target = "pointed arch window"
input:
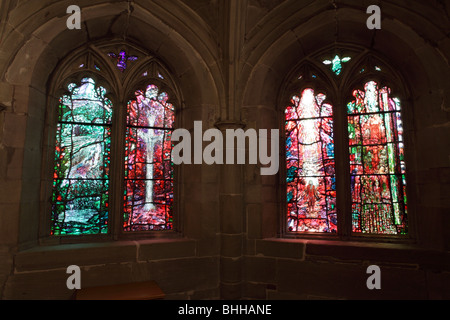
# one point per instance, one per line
(311, 184)
(113, 173)
(372, 197)
(82, 161)
(148, 162)
(377, 162)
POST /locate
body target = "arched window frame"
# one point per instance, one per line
(312, 73)
(94, 62)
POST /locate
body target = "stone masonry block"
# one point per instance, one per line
(166, 249)
(280, 248)
(14, 130)
(45, 258)
(259, 269)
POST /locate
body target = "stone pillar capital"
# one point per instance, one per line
(223, 125)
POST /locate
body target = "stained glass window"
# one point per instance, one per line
(122, 59)
(80, 198)
(310, 164)
(377, 162)
(148, 162)
(336, 63)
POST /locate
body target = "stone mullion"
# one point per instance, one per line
(343, 200)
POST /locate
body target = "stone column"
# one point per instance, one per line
(231, 196)
(232, 223)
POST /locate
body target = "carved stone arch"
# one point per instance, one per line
(122, 57)
(369, 66)
(76, 78)
(85, 61)
(151, 70)
(308, 74)
(94, 61)
(172, 31)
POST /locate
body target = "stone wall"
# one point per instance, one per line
(176, 265)
(281, 269)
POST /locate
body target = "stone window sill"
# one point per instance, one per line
(63, 256)
(373, 252)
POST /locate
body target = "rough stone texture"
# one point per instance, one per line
(339, 271)
(43, 258)
(166, 250)
(233, 63)
(280, 248)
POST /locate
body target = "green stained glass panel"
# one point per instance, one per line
(80, 196)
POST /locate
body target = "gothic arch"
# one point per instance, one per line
(179, 44)
(290, 34)
(273, 48)
(182, 53)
